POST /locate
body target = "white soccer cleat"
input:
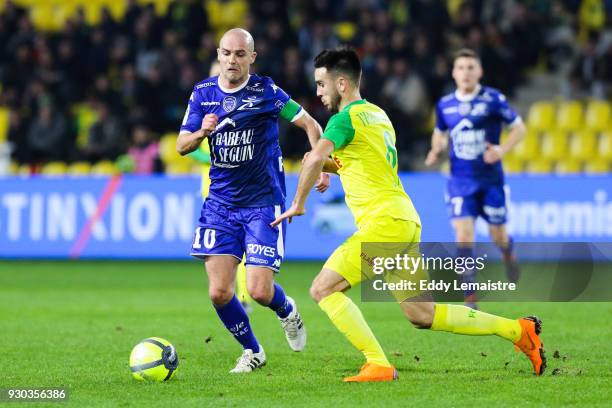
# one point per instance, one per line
(294, 328)
(249, 361)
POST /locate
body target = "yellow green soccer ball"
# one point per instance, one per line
(153, 359)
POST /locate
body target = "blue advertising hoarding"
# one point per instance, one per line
(155, 217)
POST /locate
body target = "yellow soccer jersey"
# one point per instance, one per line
(202, 155)
(365, 152)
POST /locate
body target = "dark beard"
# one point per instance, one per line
(334, 103)
(237, 81)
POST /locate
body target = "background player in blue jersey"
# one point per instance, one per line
(238, 114)
(472, 118)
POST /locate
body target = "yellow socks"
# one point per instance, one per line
(241, 284)
(463, 320)
(347, 318)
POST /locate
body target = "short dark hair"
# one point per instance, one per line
(340, 61)
(465, 53)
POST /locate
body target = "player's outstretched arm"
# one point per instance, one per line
(495, 153)
(188, 142)
(310, 126)
(329, 165)
(311, 170)
(439, 141)
(314, 132)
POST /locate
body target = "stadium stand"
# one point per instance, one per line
(54, 169)
(568, 166)
(78, 169)
(529, 148)
(554, 145)
(569, 116)
(4, 124)
(597, 116)
(604, 149)
(104, 168)
(141, 58)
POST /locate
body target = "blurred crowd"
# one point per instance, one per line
(135, 74)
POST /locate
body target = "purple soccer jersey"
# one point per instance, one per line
(247, 190)
(472, 121)
(247, 163)
(475, 188)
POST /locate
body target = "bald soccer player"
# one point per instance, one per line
(237, 113)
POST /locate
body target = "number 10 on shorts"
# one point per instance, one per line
(209, 238)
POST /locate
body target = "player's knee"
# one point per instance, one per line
(314, 293)
(261, 294)
(317, 292)
(220, 296)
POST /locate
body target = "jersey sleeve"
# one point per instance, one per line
(275, 95)
(440, 123)
(292, 111)
(506, 113)
(339, 130)
(192, 121)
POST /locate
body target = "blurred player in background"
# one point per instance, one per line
(473, 117)
(361, 139)
(238, 113)
(202, 155)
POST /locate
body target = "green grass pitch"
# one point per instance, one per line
(73, 324)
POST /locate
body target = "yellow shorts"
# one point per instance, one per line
(347, 258)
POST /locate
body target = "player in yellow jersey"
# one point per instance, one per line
(361, 140)
(202, 155)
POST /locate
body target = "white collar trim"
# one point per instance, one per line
(233, 90)
(468, 97)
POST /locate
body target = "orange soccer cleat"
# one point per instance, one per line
(371, 372)
(530, 343)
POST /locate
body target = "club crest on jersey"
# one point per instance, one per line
(464, 108)
(229, 103)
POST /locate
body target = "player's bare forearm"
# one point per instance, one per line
(439, 141)
(330, 166)
(311, 170)
(495, 153)
(189, 142)
(311, 127)
(516, 134)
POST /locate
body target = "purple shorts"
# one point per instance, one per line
(227, 230)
